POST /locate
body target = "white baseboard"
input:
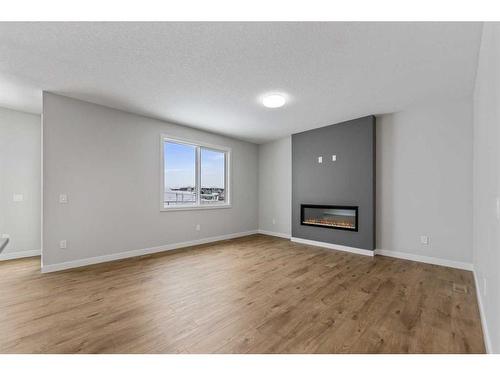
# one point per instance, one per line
(425, 259)
(484, 324)
(139, 252)
(327, 245)
(19, 254)
(274, 234)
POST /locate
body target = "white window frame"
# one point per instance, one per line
(198, 147)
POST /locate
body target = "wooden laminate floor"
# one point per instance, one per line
(256, 294)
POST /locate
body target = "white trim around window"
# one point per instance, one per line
(198, 205)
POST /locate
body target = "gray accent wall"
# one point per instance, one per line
(350, 180)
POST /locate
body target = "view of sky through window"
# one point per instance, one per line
(180, 175)
(212, 169)
(180, 165)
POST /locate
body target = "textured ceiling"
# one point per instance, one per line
(210, 75)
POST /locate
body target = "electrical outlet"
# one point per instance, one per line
(63, 198)
(320, 159)
(18, 198)
(274, 221)
(424, 240)
(63, 244)
(198, 227)
(334, 157)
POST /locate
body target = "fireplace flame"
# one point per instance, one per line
(330, 223)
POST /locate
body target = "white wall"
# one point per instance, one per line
(20, 171)
(275, 186)
(108, 162)
(487, 181)
(424, 181)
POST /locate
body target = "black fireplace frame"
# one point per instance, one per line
(355, 208)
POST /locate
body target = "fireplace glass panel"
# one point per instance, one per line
(338, 217)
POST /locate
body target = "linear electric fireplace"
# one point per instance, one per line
(335, 217)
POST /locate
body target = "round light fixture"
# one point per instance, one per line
(273, 100)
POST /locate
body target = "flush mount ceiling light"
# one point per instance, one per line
(273, 100)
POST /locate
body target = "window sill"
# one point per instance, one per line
(189, 208)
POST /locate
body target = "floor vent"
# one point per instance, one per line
(459, 288)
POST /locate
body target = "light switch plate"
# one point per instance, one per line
(424, 240)
(63, 198)
(18, 198)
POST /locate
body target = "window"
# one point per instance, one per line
(194, 175)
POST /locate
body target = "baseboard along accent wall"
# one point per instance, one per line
(332, 246)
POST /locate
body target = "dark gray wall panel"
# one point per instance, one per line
(350, 180)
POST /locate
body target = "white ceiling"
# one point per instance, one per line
(210, 75)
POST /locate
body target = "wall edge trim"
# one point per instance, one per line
(484, 323)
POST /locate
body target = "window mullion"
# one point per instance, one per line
(198, 175)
